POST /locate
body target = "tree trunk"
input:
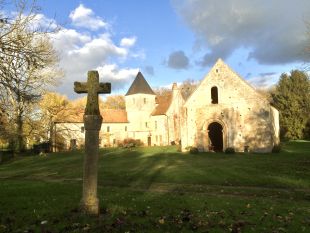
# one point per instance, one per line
(50, 136)
(20, 146)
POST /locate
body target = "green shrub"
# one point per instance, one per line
(130, 142)
(230, 150)
(120, 143)
(276, 148)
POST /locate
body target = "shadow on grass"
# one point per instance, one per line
(159, 190)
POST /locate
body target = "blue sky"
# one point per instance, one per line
(171, 41)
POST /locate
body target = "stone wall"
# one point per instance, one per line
(109, 135)
(139, 108)
(112, 133)
(247, 118)
(174, 115)
(160, 133)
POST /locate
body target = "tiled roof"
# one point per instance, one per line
(114, 116)
(140, 86)
(163, 104)
(108, 116)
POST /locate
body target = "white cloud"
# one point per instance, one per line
(264, 81)
(98, 50)
(128, 42)
(138, 54)
(40, 21)
(118, 77)
(80, 52)
(273, 31)
(66, 40)
(85, 18)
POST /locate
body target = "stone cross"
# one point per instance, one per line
(92, 124)
(93, 88)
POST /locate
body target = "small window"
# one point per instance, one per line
(155, 124)
(214, 95)
(108, 128)
(82, 129)
(144, 100)
(125, 128)
(146, 124)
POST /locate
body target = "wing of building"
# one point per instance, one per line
(224, 111)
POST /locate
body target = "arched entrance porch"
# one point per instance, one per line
(215, 135)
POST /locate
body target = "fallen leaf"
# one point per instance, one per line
(161, 221)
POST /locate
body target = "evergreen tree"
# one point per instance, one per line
(292, 98)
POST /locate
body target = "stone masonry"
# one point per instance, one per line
(239, 116)
(246, 120)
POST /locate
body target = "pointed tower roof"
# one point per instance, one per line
(140, 86)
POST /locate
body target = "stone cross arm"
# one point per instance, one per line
(81, 87)
(92, 87)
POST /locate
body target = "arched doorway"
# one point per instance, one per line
(215, 133)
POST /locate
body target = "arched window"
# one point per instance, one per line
(214, 95)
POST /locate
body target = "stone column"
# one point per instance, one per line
(90, 202)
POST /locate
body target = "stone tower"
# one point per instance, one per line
(140, 102)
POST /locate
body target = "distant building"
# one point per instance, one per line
(155, 120)
(224, 111)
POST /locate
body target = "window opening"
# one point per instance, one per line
(214, 95)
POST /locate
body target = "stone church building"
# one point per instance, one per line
(224, 111)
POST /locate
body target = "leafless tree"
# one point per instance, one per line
(188, 87)
(162, 91)
(29, 64)
(114, 102)
(53, 108)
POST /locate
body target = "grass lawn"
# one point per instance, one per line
(160, 190)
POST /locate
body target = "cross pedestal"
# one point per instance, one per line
(92, 124)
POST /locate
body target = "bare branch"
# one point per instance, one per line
(25, 52)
